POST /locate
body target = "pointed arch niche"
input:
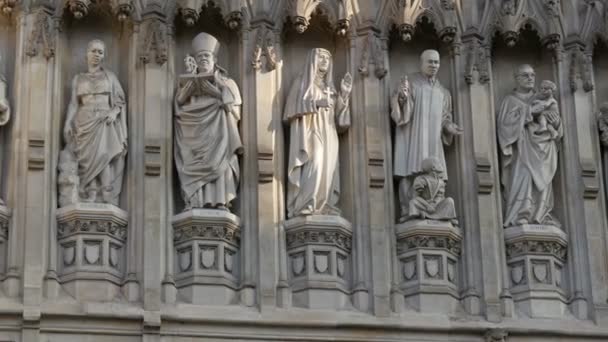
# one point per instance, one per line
(547, 272)
(208, 264)
(309, 263)
(421, 268)
(104, 258)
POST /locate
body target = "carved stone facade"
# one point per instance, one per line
(303, 170)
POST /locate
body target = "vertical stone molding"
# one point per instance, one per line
(91, 239)
(207, 254)
(536, 255)
(318, 250)
(429, 253)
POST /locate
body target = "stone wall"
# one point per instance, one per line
(148, 270)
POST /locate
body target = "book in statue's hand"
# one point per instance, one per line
(196, 79)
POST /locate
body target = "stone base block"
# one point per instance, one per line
(207, 256)
(429, 252)
(318, 249)
(91, 238)
(208, 294)
(328, 299)
(94, 290)
(5, 215)
(535, 257)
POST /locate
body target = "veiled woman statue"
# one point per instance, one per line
(315, 112)
(207, 141)
(529, 151)
(96, 129)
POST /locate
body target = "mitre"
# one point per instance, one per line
(205, 42)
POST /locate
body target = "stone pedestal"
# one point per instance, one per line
(318, 250)
(91, 239)
(428, 253)
(535, 257)
(206, 258)
(5, 214)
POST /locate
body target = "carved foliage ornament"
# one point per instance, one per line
(537, 247)
(227, 234)
(155, 41)
(421, 241)
(441, 12)
(264, 47)
(7, 6)
(328, 237)
(41, 36)
(496, 335)
(68, 228)
(581, 68)
(477, 60)
(372, 55)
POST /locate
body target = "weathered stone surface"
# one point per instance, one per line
(498, 247)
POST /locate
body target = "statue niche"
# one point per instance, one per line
(207, 140)
(315, 111)
(92, 163)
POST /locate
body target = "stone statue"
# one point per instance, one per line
(602, 123)
(5, 107)
(528, 149)
(207, 140)
(546, 99)
(95, 133)
(422, 110)
(315, 111)
(429, 188)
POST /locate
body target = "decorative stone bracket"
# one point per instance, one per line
(91, 238)
(207, 243)
(428, 253)
(318, 249)
(536, 255)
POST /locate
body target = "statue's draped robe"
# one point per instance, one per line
(207, 144)
(6, 115)
(97, 144)
(313, 172)
(529, 162)
(419, 132)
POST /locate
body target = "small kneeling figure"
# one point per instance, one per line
(429, 201)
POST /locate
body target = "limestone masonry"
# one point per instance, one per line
(303, 170)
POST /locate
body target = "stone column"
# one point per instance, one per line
(374, 212)
(581, 156)
(575, 205)
(153, 96)
(479, 109)
(32, 160)
(264, 258)
(463, 184)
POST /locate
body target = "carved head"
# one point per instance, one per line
(525, 77)
(96, 52)
(547, 88)
(429, 62)
(432, 165)
(206, 48)
(323, 60)
(496, 335)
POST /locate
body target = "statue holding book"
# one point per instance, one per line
(207, 140)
